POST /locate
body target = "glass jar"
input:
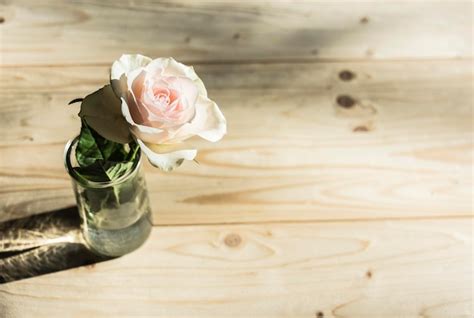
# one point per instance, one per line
(115, 215)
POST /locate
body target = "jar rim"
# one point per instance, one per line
(95, 184)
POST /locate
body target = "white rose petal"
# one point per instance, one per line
(122, 68)
(209, 123)
(160, 157)
(171, 67)
(141, 128)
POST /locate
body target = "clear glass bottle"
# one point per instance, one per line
(116, 215)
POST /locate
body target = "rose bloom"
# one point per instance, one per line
(160, 103)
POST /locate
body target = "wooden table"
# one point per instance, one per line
(344, 186)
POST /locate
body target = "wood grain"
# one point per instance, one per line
(403, 150)
(52, 32)
(362, 269)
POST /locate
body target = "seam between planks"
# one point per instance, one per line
(266, 61)
(311, 221)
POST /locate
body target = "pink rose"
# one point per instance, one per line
(162, 103)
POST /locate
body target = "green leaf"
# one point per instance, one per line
(117, 169)
(102, 111)
(118, 153)
(87, 151)
(108, 147)
(93, 147)
(103, 160)
(94, 172)
(132, 153)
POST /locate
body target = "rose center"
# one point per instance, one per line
(161, 96)
(162, 99)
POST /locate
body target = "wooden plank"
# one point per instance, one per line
(403, 150)
(97, 31)
(356, 269)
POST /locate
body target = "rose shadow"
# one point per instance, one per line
(42, 244)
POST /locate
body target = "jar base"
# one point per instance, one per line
(118, 242)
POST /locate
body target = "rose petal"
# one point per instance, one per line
(128, 117)
(187, 88)
(139, 113)
(142, 106)
(166, 161)
(128, 63)
(101, 110)
(145, 133)
(122, 67)
(171, 67)
(208, 123)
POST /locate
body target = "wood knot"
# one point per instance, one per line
(360, 129)
(368, 274)
(364, 20)
(236, 36)
(2, 19)
(232, 240)
(365, 127)
(319, 314)
(345, 101)
(346, 75)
